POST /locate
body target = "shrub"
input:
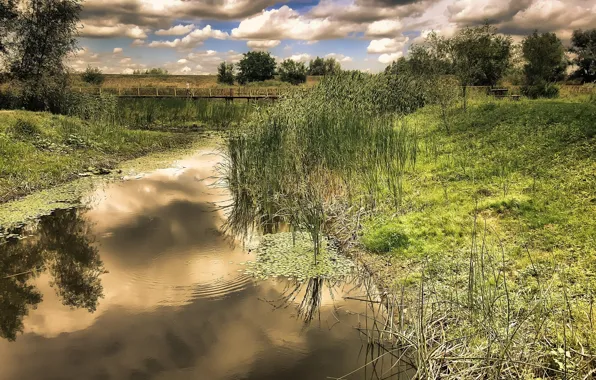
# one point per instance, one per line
(541, 90)
(93, 75)
(24, 129)
(292, 72)
(385, 239)
(225, 73)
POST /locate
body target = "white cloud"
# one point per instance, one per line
(387, 45)
(300, 57)
(388, 58)
(384, 28)
(178, 30)
(138, 42)
(263, 44)
(339, 57)
(182, 61)
(110, 31)
(193, 39)
(117, 50)
(186, 70)
(286, 23)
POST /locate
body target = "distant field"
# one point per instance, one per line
(179, 81)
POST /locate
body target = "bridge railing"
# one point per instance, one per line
(188, 92)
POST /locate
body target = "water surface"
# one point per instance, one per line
(142, 284)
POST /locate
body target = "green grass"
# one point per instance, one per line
(516, 182)
(40, 150)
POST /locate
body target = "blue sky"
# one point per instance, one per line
(194, 36)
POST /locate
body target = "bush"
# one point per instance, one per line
(93, 75)
(292, 72)
(385, 239)
(256, 66)
(225, 73)
(541, 90)
(24, 129)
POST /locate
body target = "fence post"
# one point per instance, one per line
(119, 93)
(138, 91)
(175, 93)
(157, 91)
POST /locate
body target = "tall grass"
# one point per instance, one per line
(293, 163)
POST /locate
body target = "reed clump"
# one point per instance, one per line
(299, 159)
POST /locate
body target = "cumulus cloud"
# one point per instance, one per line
(388, 58)
(384, 28)
(263, 44)
(286, 23)
(191, 40)
(300, 57)
(339, 57)
(107, 62)
(117, 50)
(178, 30)
(107, 30)
(367, 11)
(138, 42)
(521, 17)
(387, 45)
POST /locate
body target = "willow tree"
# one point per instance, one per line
(43, 35)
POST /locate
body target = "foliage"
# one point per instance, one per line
(584, 47)
(225, 73)
(385, 238)
(292, 72)
(297, 162)
(93, 75)
(256, 66)
(546, 64)
(321, 66)
(155, 71)
(8, 14)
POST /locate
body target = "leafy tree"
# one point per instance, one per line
(93, 75)
(320, 66)
(42, 36)
(546, 64)
(584, 47)
(8, 14)
(479, 56)
(45, 35)
(156, 71)
(292, 72)
(225, 73)
(256, 66)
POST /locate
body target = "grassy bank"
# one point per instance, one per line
(40, 150)
(494, 246)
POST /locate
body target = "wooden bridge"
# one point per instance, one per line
(247, 93)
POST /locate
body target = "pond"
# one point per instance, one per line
(142, 284)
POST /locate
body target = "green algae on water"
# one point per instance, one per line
(279, 255)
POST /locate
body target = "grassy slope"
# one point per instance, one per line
(40, 150)
(527, 171)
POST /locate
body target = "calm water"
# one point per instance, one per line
(143, 285)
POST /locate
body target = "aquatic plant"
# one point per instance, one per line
(342, 140)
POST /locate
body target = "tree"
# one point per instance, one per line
(256, 66)
(292, 72)
(93, 75)
(479, 56)
(584, 48)
(45, 35)
(225, 73)
(546, 64)
(156, 71)
(42, 36)
(8, 14)
(320, 66)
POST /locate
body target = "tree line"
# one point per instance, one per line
(258, 66)
(479, 56)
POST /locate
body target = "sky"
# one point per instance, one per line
(195, 36)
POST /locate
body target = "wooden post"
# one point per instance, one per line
(157, 91)
(100, 91)
(175, 94)
(138, 91)
(210, 92)
(119, 93)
